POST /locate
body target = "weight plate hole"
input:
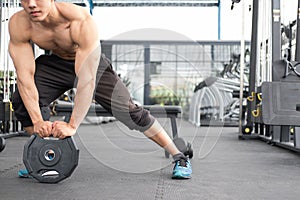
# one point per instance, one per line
(50, 173)
(49, 155)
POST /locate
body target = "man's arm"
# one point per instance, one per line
(85, 34)
(21, 53)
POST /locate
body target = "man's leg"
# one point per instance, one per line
(113, 95)
(158, 134)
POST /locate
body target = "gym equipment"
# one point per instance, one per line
(253, 61)
(61, 108)
(246, 129)
(2, 144)
(185, 148)
(279, 103)
(215, 102)
(297, 131)
(50, 160)
(233, 2)
(285, 70)
(279, 118)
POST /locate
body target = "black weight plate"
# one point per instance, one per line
(64, 162)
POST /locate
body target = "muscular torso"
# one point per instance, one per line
(68, 31)
(56, 39)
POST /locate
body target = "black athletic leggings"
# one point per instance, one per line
(54, 76)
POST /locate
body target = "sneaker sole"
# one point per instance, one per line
(181, 177)
(25, 176)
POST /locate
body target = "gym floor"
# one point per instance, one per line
(116, 163)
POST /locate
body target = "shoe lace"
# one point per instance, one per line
(181, 159)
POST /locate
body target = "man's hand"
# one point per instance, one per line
(62, 129)
(43, 128)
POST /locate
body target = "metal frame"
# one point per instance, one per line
(297, 54)
(253, 62)
(152, 3)
(279, 135)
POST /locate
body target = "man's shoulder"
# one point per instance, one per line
(20, 18)
(78, 12)
(19, 25)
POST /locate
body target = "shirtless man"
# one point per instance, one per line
(70, 33)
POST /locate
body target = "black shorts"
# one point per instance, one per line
(54, 76)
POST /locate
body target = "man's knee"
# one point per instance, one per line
(136, 119)
(144, 120)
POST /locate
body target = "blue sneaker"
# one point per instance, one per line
(182, 169)
(23, 173)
